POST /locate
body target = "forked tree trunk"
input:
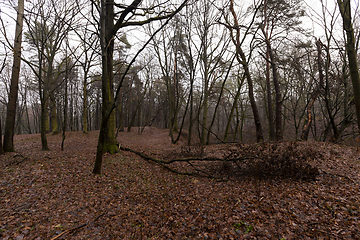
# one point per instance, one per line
(240, 56)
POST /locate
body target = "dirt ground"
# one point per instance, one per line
(53, 195)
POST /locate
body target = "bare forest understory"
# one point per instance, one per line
(152, 189)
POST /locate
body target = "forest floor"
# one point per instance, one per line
(53, 195)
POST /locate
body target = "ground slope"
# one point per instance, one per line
(53, 195)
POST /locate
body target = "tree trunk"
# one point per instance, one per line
(1, 146)
(205, 103)
(218, 103)
(85, 105)
(240, 56)
(272, 135)
(259, 132)
(306, 129)
(233, 108)
(13, 95)
(278, 98)
(107, 45)
(43, 127)
(345, 10)
(108, 30)
(191, 120)
(65, 108)
(46, 113)
(27, 114)
(54, 122)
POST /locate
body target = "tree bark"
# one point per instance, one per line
(14, 86)
(345, 10)
(54, 121)
(43, 127)
(107, 46)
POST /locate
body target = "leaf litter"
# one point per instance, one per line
(53, 195)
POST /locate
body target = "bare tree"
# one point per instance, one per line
(13, 95)
(108, 30)
(46, 34)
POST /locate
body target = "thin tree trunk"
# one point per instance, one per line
(204, 59)
(65, 109)
(14, 85)
(234, 106)
(327, 96)
(272, 135)
(306, 128)
(27, 114)
(1, 146)
(191, 120)
(278, 98)
(85, 105)
(205, 106)
(218, 102)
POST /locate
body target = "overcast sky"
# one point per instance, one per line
(314, 11)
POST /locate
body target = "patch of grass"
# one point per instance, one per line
(242, 225)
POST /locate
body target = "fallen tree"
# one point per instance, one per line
(261, 161)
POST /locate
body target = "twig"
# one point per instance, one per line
(24, 158)
(339, 175)
(77, 228)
